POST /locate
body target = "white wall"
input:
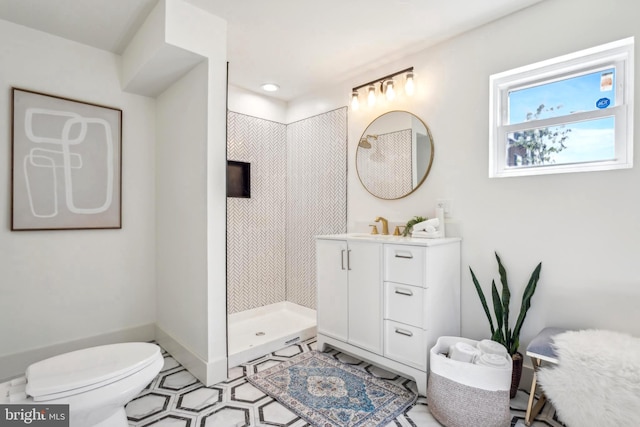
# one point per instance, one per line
(252, 104)
(181, 211)
(191, 196)
(583, 226)
(69, 289)
(61, 286)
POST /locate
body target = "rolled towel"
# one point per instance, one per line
(422, 226)
(492, 347)
(493, 361)
(463, 352)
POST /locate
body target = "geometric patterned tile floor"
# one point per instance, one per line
(175, 398)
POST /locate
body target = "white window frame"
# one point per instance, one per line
(618, 55)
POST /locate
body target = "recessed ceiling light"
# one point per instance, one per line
(270, 87)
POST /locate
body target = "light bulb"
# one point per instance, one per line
(355, 103)
(371, 97)
(389, 91)
(409, 86)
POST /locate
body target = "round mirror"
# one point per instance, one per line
(394, 155)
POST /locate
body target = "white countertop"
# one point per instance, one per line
(390, 239)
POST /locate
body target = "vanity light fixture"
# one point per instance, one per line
(389, 92)
(355, 102)
(409, 85)
(387, 86)
(371, 97)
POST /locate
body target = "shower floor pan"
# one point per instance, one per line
(254, 333)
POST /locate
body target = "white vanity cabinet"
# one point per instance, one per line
(351, 300)
(386, 300)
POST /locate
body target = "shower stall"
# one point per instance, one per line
(297, 190)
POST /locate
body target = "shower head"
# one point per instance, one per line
(364, 141)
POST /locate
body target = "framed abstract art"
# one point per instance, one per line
(66, 163)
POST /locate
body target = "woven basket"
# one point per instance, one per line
(463, 394)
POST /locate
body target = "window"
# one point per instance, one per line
(569, 114)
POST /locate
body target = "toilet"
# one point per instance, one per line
(95, 382)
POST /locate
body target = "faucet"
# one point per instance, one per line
(385, 225)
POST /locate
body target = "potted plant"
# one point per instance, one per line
(501, 332)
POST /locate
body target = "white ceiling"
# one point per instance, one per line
(105, 24)
(302, 45)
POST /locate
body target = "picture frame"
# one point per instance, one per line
(66, 170)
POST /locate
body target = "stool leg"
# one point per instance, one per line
(531, 411)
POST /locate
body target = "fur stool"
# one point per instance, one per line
(597, 379)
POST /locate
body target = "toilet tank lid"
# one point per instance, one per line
(87, 367)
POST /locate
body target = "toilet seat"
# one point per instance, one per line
(87, 369)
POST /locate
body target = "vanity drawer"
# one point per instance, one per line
(405, 344)
(405, 304)
(404, 264)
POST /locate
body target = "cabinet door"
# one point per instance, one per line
(365, 295)
(331, 256)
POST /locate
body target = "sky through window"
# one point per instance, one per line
(590, 140)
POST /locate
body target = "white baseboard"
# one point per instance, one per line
(208, 372)
(15, 365)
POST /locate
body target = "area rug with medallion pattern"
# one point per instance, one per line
(326, 392)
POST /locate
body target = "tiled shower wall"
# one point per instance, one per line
(316, 195)
(255, 226)
(298, 190)
(385, 168)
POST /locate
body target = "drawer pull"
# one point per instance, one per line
(404, 332)
(405, 255)
(404, 292)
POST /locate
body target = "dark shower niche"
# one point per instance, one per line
(238, 179)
